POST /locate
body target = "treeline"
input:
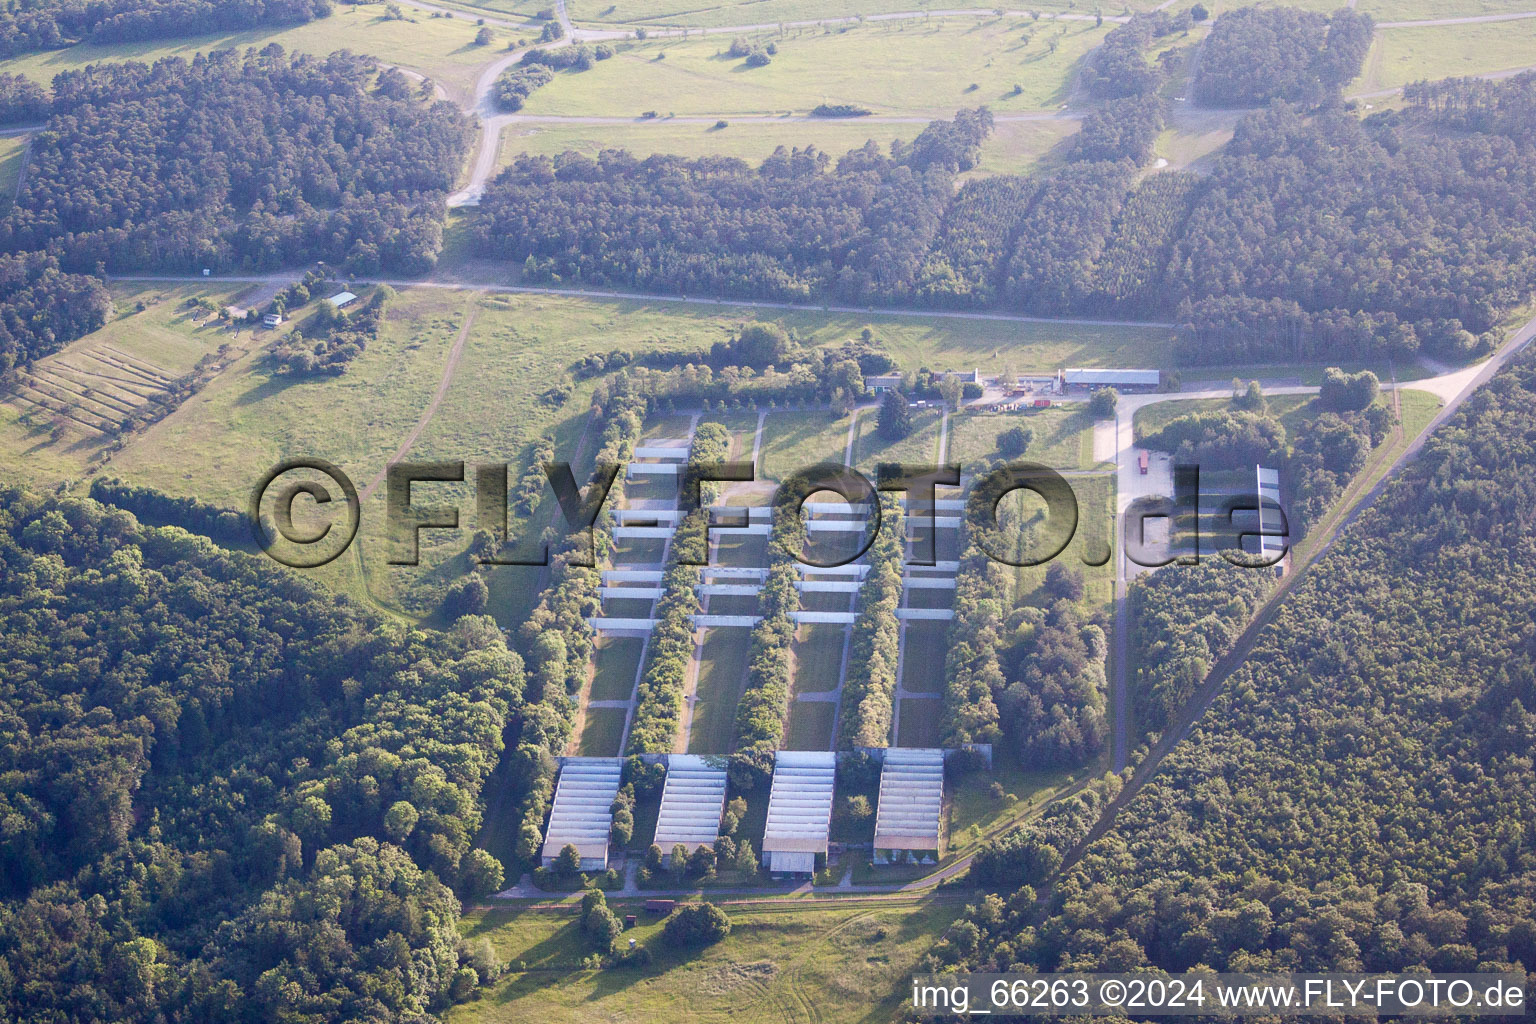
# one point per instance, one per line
(1360, 797)
(659, 694)
(973, 675)
(22, 101)
(765, 701)
(1255, 55)
(869, 690)
(50, 24)
(42, 309)
(556, 636)
(228, 527)
(296, 159)
(200, 745)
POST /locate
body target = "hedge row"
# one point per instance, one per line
(760, 715)
(870, 689)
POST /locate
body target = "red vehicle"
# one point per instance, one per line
(1142, 462)
(1042, 403)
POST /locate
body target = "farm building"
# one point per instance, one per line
(1124, 380)
(583, 811)
(341, 299)
(882, 383)
(692, 801)
(911, 803)
(1270, 522)
(799, 810)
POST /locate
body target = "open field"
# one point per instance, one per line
(810, 725)
(1063, 436)
(442, 49)
(12, 149)
(705, 13)
(602, 732)
(818, 652)
(616, 659)
(921, 446)
(1402, 55)
(897, 67)
(1015, 147)
(154, 336)
(922, 660)
(722, 672)
(514, 347)
(849, 959)
(920, 725)
(1418, 10)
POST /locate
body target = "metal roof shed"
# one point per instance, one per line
(799, 810)
(692, 802)
(911, 802)
(583, 812)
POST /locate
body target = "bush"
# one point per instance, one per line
(697, 924)
(1013, 441)
(1104, 402)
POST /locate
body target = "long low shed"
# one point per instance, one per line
(582, 815)
(911, 804)
(799, 810)
(692, 802)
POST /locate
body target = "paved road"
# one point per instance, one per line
(1471, 19)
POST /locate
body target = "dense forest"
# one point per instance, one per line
(42, 308)
(793, 228)
(48, 24)
(1361, 796)
(1258, 54)
(1291, 248)
(196, 743)
(237, 161)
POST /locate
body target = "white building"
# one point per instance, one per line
(692, 802)
(799, 810)
(911, 804)
(341, 299)
(582, 815)
(1122, 379)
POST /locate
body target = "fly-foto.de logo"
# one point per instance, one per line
(306, 512)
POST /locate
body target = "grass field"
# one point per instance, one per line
(602, 732)
(920, 725)
(1015, 147)
(848, 962)
(745, 12)
(247, 419)
(13, 148)
(896, 67)
(920, 446)
(1402, 55)
(615, 661)
(810, 725)
(1419, 10)
(818, 652)
(922, 659)
(1063, 436)
(722, 671)
(440, 48)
